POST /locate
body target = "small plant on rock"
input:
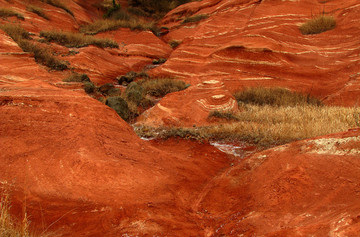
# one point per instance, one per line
(77, 77)
(6, 12)
(318, 24)
(120, 106)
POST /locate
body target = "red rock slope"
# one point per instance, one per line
(78, 169)
(306, 188)
(258, 43)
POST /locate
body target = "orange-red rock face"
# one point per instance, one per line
(258, 43)
(79, 170)
(300, 189)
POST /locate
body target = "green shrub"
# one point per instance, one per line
(42, 55)
(59, 4)
(38, 11)
(318, 24)
(78, 40)
(135, 93)
(130, 76)
(6, 12)
(161, 87)
(195, 18)
(274, 97)
(120, 106)
(89, 87)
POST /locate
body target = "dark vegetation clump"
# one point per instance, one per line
(196, 18)
(158, 8)
(89, 87)
(42, 54)
(174, 43)
(59, 4)
(77, 77)
(138, 96)
(7, 12)
(120, 106)
(135, 93)
(162, 86)
(159, 61)
(274, 97)
(130, 77)
(38, 11)
(77, 40)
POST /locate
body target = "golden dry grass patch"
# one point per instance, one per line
(267, 125)
(318, 24)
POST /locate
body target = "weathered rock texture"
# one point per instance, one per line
(77, 169)
(258, 43)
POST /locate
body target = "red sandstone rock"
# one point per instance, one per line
(304, 188)
(79, 170)
(252, 43)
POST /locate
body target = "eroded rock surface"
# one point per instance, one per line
(304, 188)
(79, 170)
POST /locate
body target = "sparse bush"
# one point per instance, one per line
(78, 40)
(135, 93)
(104, 89)
(274, 97)
(130, 76)
(156, 9)
(6, 12)
(111, 8)
(38, 11)
(89, 87)
(16, 32)
(42, 55)
(77, 77)
(120, 106)
(110, 24)
(59, 4)
(159, 61)
(318, 24)
(195, 18)
(174, 43)
(161, 87)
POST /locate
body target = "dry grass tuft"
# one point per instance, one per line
(267, 126)
(228, 115)
(8, 227)
(42, 55)
(78, 40)
(162, 86)
(196, 18)
(110, 24)
(77, 77)
(59, 4)
(7, 12)
(318, 24)
(274, 97)
(38, 11)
